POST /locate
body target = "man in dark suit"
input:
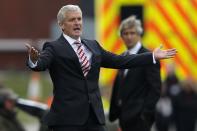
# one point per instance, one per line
(74, 66)
(135, 90)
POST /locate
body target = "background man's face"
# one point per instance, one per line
(130, 37)
(72, 24)
(9, 104)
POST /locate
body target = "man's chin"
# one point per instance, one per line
(75, 36)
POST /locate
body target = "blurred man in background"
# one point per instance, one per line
(9, 101)
(164, 109)
(177, 107)
(185, 106)
(8, 118)
(136, 90)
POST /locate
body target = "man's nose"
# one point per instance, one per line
(77, 21)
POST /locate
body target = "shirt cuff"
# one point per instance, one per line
(154, 61)
(31, 64)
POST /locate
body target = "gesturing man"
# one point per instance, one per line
(74, 66)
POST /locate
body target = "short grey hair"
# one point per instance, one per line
(131, 22)
(67, 8)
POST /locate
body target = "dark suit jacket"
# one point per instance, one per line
(135, 94)
(74, 93)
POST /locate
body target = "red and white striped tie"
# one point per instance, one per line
(85, 64)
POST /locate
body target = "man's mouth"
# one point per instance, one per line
(77, 29)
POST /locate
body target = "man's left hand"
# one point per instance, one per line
(164, 54)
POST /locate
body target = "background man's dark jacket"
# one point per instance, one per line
(135, 95)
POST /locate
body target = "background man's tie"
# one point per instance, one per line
(85, 64)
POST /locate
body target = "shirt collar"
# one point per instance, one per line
(71, 40)
(136, 48)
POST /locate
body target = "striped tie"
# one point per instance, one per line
(85, 64)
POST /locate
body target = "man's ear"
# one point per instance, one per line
(61, 25)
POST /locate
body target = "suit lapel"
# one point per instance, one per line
(90, 48)
(130, 71)
(70, 51)
(141, 50)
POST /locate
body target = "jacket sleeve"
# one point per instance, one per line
(45, 59)
(154, 90)
(110, 60)
(114, 109)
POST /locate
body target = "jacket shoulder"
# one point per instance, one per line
(51, 44)
(144, 49)
(89, 41)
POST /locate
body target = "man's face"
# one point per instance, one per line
(72, 24)
(130, 37)
(9, 104)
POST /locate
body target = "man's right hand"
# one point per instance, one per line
(33, 53)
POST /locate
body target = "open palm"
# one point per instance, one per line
(164, 54)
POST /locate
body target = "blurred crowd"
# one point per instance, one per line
(177, 107)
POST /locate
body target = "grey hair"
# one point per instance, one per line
(131, 22)
(67, 8)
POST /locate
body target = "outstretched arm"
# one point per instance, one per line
(40, 61)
